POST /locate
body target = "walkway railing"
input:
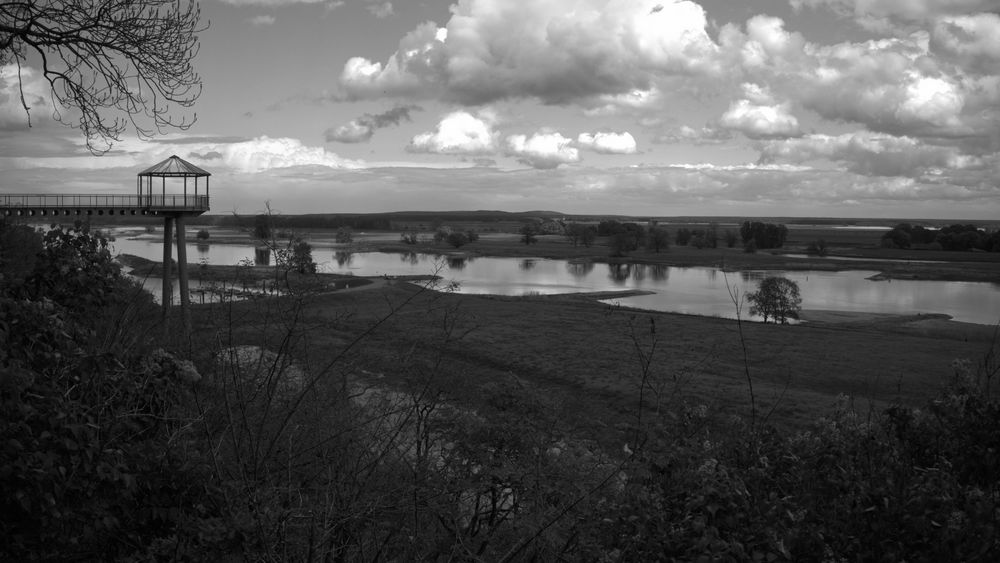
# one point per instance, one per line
(107, 202)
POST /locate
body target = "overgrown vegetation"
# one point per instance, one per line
(276, 437)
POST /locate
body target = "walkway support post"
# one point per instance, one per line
(168, 241)
(182, 273)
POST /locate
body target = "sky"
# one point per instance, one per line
(817, 108)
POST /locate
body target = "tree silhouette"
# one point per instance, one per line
(105, 58)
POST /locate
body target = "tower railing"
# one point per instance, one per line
(170, 202)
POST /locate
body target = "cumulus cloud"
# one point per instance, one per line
(459, 132)
(555, 51)
(264, 153)
(974, 36)
(882, 14)
(362, 129)
(767, 43)
(382, 10)
(608, 142)
(759, 116)
(355, 131)
(418, 69)
(262, 20)
(636, 101)
(889, 85)
(872, 154)
(895, 85)
(706, 135)
(544, 149)
(760, 122)
(273, 2)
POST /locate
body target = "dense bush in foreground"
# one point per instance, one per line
(114, 450)
(907, 485)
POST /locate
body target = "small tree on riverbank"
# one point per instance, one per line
(776, 299)
(301, 259)
(529, 233)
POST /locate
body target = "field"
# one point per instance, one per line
(585, 356)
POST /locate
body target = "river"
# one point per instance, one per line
(694, 290)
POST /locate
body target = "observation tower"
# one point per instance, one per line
(174, 200)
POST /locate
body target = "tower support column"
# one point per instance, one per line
(168, 240)
(182, 271)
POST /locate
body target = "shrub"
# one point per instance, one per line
(301, 259)
(529, 233)
(202, 234)
(730, 238)
(682, 237)
(457, 239)
(817, 247)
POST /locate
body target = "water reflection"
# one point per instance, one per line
(526, 264)
(579, 269)
(457, 262)
(622, 273)
(661, 273)
(343, 257)
(262, 256)
(411, 258)
(619, 273)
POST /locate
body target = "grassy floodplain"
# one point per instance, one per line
(584, 352)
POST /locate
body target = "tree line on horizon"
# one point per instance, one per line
(956, 237)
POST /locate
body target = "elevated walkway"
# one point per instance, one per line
(43, 205)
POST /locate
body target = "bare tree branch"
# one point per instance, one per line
(115, 62)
